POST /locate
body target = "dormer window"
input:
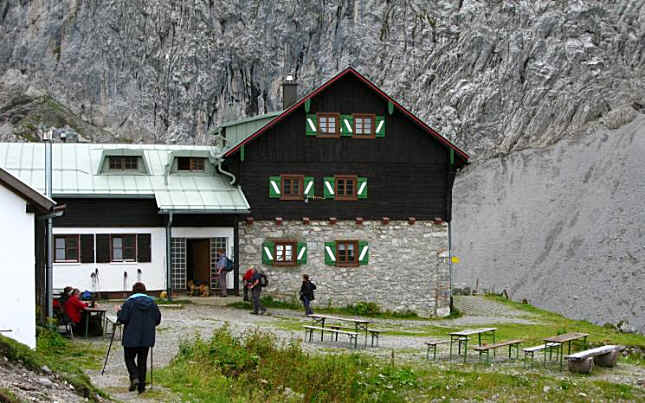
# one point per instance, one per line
(124, 163)
(190, 164)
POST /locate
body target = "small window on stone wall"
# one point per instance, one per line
(346, 253)
(283, 252)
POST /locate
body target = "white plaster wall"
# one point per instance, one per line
(17, 261)
(111, 275)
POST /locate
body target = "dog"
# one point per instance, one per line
(193, 289)
(203, 290)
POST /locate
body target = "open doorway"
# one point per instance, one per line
(198, 261)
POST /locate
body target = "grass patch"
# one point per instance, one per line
(367, 309)
(553, 323)
(66, 359)
(256, 367)
(7, 396)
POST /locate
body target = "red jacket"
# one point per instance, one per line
(248, 275)
(74, 308)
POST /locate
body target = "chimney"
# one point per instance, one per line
(289, 92)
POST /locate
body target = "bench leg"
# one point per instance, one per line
(450, 355)
(465, 349)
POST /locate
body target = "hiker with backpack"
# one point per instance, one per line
(307, 293)
(224, 266)
(258, 280)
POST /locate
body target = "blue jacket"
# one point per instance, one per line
(139, 315)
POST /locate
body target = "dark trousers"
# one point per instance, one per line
(137, 370)
(307, 303)
(257, 305)
(246, 291)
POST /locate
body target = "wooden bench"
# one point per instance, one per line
(510, 343)
(353, 336)
(532, 350)
(583, 361)
(374, 333)
(434, 343)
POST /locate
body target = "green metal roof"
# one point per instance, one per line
(77, 172)
(238, 130)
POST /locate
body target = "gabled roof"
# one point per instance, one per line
(76, 173)
(318, 90)
(29, 194)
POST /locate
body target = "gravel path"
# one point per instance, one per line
(197, 319)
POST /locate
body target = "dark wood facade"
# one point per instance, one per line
(138, 212)
(408, 171)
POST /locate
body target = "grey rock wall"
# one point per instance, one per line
(406, 270)
(494, 76)
(563, 227)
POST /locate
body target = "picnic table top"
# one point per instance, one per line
(563, 338)
(319, 316)
(469, 332)
(95, 309)
(593, 352)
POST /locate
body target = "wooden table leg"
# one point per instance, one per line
(450, 356)
(465, 349)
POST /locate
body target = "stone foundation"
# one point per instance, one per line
(408, 265)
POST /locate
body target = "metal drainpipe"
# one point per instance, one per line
(220, 170)
(168, 256)
(50, 257)
(450, 265)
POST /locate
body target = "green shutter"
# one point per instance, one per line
(311, 125)
(268, 248)
(329, 185)
(361, 190)
(346, 125)
(330, 253)
(363, 253)
(309, 186)
(274, 187)
(302, 252)
(380, 126)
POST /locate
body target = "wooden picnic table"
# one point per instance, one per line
(89, 312)
(463, 335)
(359, 324)
(565, 338)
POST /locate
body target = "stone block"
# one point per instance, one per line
(581, 366)
(606, 360)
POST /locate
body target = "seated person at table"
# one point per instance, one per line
(59, 302)
(74, 308)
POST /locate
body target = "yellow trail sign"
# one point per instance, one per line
(455, 259)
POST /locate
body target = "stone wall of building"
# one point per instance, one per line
(408, 266)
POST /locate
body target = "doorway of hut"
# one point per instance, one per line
(198, 262)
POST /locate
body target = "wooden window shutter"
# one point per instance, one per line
(346, 125)
(87, 248)
(274, 187)
(311, 124)
(380, 126)
(329, 185)
(267, 252)
(364, 253)
(103, 248)
(361, 188)
(143, 248)
(330, 253)
(309, 186)
(302, 252)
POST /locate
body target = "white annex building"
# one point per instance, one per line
(20, 206)
(128, 208)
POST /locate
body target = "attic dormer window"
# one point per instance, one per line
(190, 164)
(124, 163)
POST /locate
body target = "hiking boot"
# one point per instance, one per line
(141, 390)
(253, 313)
(133, 385)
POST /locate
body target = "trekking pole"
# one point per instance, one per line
(109, 348)
(152, 364)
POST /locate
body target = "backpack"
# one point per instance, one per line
(264, 281)
(229, 265)
(86, 295)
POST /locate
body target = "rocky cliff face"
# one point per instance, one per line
(502, 78)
